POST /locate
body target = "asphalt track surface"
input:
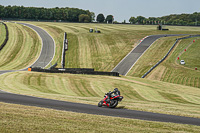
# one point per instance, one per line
(92, 109)
(128, 62)
(48, 47)
(44, 60)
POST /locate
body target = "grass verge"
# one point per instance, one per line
(19, 118)
(2, 33)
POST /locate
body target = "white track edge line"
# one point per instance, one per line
(128, 54)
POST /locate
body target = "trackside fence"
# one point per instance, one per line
(6, 39)
(168, 54)
(89, 71)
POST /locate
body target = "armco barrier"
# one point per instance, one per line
(167, 54)
(53, 67)
(65, 47)
(6, 39)
(74, 71)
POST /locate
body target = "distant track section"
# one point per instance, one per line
(47, 52)
(48, 47)
(128, 62)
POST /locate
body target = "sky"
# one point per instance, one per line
(120, 9)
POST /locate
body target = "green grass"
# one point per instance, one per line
(22, 48)
(154, 54)
(139, 94)
(100, 51)
(2, 33)
(171, 70)
(26, 119)
(192, 56)
(186, 74)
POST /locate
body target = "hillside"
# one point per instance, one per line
(171, 70)
(139, 94)
(22, 49)
(100, 51)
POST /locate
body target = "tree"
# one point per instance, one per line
(67, 14)
(84, 18)
(100, 18)
(109, 18)
(140, 19)
(132, 20)
(92, 14)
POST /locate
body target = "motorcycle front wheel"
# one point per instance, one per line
(113, 104)
(100, 103)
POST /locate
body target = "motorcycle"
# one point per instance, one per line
(112, 103)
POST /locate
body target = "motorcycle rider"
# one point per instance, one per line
(116, 92)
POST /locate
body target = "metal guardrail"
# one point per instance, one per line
(167, 54)
(53, 66)
(6, 39)
(65, 47)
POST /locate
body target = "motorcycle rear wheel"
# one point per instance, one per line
(114, 104)
(100, 103)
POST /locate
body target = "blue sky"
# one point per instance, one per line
(120, 9)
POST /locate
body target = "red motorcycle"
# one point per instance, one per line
(112, 103)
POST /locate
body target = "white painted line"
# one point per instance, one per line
(139, 57)
(126, 56)
(42, 44)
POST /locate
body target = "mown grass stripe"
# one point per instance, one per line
(140, 94)
(22, 49)
(174, 98)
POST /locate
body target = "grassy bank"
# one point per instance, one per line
(100, 51)
(18, 118)
(154, 54)
(2, 33)
(139, 94)
(171, 70)
(22, 48)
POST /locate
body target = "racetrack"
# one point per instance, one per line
(92, 109)
(44, 59)
(48, 47)
(47, 53)
(127, 63)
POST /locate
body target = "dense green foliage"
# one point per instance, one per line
(84, 18)
(174, 19)
(100, 18)
(109, 19)
(21, 12)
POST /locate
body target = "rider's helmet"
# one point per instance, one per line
(116, 90)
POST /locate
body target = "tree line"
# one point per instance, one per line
(174, 19)
(102, 19)
(80, 15)
(35, 13)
